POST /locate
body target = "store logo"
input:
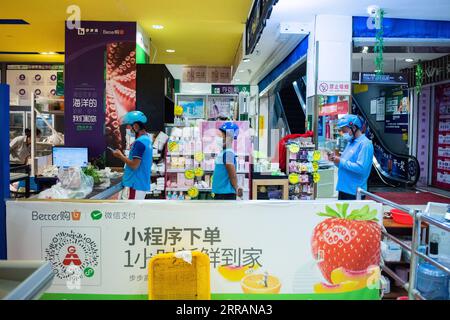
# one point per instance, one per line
(73, 21)
(62, 216)
(81, 32)
(96, 215)
(73, 255)
(323, 87)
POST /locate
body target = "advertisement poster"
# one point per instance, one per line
(193, 107)
(334, 109)
(27, 79)
(441, 153)
(381, 105)
(423, 137)
(221, 108)
(96, 51)
(99, 251)
(397, 113)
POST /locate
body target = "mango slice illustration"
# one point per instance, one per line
(364, 278)
(233, 273)
(335, 288)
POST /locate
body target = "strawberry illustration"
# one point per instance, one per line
(351, 242)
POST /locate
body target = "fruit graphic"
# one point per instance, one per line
(260, 283)
(346, 280)
(335, 288)
(351, 242)
(234, 273)
(364, 278)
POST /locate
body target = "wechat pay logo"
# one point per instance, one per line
(96, 215)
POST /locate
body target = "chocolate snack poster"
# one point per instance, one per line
(100, 83)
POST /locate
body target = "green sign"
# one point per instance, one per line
(229, 89)
(60, 83)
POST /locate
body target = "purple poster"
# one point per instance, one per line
(100, 66)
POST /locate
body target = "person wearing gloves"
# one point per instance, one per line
(355, 163)
(225, 186)
(136, 178)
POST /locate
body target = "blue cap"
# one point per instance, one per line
(349, 120)
(133, 117)
(227, 126)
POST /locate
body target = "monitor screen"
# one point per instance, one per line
(64, 157)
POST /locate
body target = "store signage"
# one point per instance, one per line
(386, 78)
(204, 74)
(106, 252)
(99, 83)
(423, 134)
(334, 109)
(435, 71)
(229, 89)
(256, 22)
(333, 88)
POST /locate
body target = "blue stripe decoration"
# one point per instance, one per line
(298, 53)
(4, 164)
(13, 21)
(403, 28)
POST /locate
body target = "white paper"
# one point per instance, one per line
(380, 109)
(373, 106)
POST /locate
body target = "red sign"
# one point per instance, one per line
(333, 109)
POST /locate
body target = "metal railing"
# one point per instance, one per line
(418, 217)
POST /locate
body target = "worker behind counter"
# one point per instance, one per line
(137, 171)
(20, 148)
(355, 163)
(225, 185)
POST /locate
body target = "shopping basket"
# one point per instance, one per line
(172, 278)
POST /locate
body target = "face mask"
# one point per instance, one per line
(347, 137)
(131, 133)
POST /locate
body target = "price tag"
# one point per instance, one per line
(294, 178)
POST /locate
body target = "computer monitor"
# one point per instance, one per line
(65, 157)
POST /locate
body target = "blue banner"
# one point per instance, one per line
(403, 28)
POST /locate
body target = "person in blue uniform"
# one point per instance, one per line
(137, 172)
(355, 163)
(225, 185)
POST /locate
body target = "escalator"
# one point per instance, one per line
(390, 168)
(292, 101)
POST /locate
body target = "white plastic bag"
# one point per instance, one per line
(73, 184)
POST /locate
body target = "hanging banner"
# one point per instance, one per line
(100, 67)
(102, 250)
(441, 152)
(334, 109)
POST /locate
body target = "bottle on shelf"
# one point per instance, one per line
(432, 282)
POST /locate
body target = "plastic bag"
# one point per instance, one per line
(73, 184)
(55, 139)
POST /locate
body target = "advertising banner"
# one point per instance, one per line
(397, 114)
(257, 250)
(334, 109)
(100, 83)
(26, 80)
(441, 153)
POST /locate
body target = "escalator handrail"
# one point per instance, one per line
(283, 114)
(380, 141)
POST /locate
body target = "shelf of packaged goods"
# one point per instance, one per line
(177, 154)
(237, 172)
(199, 189)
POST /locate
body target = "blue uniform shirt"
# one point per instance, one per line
(139, 179)
(355, 165)
(221, 180)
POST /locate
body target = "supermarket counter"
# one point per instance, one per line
(103, 194)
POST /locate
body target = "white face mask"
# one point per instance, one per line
(130, 133)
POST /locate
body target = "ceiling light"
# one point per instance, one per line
(170, 50)
(372, 10)
(241, 71)
(48, 53)
(157, 26)
(246, 59)
(409, 60)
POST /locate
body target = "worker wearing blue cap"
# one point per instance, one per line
(138, 164)
(355, 163)
(225, 185)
